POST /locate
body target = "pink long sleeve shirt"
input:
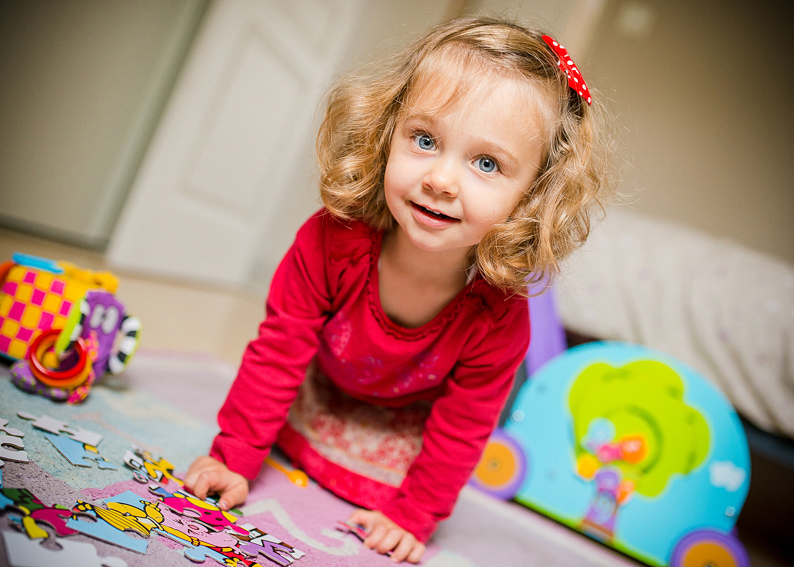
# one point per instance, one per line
(324, 304)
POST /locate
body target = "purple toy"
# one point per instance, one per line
(103, 318)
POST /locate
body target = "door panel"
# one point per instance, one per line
(231, 137)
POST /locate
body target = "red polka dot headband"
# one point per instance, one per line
(564, 62)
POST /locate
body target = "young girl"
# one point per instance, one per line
(396, 321)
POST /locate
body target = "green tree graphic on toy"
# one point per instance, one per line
(632, 433)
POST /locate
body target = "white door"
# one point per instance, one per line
(231, 137)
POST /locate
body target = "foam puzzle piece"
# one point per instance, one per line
(112, 522)
(55, 518)
(133, 461)
(184, 519)
(355, 529)
(131, 511)
(11, 449)
(24, 552)
(127, 497)
(101, 529)
(11, 444)
(274, 549)
(104, 464)
(200, 553)
(85, 436)
(45, 423)
(276, 552)
(22, 501)
(33, 512)
(143, 463)
(76, 452)
(201, 510)
(57, 427)
(9, 430)
(20, 498)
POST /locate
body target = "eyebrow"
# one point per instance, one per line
(506, 157)
(419, 117)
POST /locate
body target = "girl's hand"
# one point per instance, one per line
(208, 475)
(385, 535)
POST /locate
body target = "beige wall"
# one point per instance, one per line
(702, 93)
(82, 83)
(705, 101)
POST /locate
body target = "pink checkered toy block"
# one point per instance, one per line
(32, 301)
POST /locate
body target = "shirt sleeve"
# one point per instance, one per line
(460, 424)
(274, 364)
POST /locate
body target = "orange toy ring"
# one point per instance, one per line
(44, 342)
(69, 378)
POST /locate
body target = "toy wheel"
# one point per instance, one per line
(502, 468)
(709, 548)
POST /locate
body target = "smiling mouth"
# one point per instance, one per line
(432, 213)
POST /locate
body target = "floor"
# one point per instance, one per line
(217, 322)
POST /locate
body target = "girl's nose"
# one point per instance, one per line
(442, 177)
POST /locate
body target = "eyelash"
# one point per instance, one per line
(496, 167)
(417, 135)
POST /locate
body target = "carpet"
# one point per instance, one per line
(165, 403)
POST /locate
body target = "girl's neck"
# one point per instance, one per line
(447, 269)
(415, 285)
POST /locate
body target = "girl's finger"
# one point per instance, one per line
(404, 548)
(362, 518)
(203, 484)
(417, 552)
(390, 540)
(233, 496)
(375, 536)
(192, 474)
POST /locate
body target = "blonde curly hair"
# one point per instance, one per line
(552, 217)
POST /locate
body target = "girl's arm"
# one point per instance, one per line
(275, 363)
(460, 423)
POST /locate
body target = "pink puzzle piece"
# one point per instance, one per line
(195, 508)
(195, 529)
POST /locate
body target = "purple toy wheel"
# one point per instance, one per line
(702, 548)
(502, 467)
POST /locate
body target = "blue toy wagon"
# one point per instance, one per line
(630, 447)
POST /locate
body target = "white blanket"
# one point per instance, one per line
(724, 309)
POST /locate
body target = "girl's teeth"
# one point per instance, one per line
(435, 214)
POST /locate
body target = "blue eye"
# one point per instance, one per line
(424, 141)
(486, 164)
